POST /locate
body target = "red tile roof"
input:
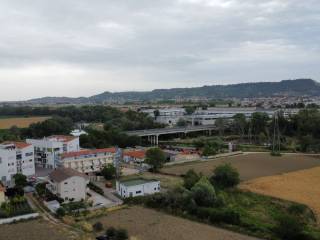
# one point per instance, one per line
(63, 138)
(61, 174)
(88, 152)
(136, 154)
(19, 145)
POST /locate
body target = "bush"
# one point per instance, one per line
(289, 228)
(297, 209)
(203, 193)
(111, 232)
(228, 216)
(190, 179)
(98, 227)
(95, 188)
(225, 176)
(60, 212)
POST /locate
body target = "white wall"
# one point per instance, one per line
(8, 166)
(138, 190)
(74, 187)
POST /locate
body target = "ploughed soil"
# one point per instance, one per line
(251, 165)
(148, 224)
(300, 186)
(33, 230)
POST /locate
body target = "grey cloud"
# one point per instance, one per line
(159, 43)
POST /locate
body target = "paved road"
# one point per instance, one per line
(109, 193)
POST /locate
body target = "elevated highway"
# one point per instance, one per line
(153, 134)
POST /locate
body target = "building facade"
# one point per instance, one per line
(88, 161)
(137, 187)
(68, 184)
(48, 150)
(16, 157)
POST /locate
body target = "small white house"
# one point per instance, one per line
(137, 187)
(68, 184)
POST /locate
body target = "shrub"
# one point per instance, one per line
(60, 212)
(98, 227)
(228, 216)
(87, 227)
(111, 232)
(225, 176)
(95, 188)
(203, 193)
(190, 179)
(297, 209)
(289, 228)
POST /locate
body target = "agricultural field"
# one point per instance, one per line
(300, 186)
(35, 229)
(21, 122)
(146, 224)
(251, 165)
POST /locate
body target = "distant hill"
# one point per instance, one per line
(298, 87)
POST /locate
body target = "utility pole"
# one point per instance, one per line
(276, 144)
(117, 162)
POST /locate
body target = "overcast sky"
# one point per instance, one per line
(85, 47)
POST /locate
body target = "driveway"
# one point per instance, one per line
(109, 193)
(99, 200)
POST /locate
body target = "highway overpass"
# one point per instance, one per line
(153, 134)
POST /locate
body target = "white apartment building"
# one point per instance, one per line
(48, 150)
(88, 161)
(137, 187)
(68, 184)
(16, 157)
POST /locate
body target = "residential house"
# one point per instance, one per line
(134, 156)
(88, 161)
(68, 184)
(137, 187)
(49, 149)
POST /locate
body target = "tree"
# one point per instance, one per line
(221, 124)
(182, 122)
(240, 123)
(225, 176)
(155, 157)
(109, 172)
(259, 123)
(190, 109)
(20, 180)
(203, 193)
(190, 179)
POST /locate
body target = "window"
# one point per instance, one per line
(138, 192)
(65, 183)
(29, 154)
